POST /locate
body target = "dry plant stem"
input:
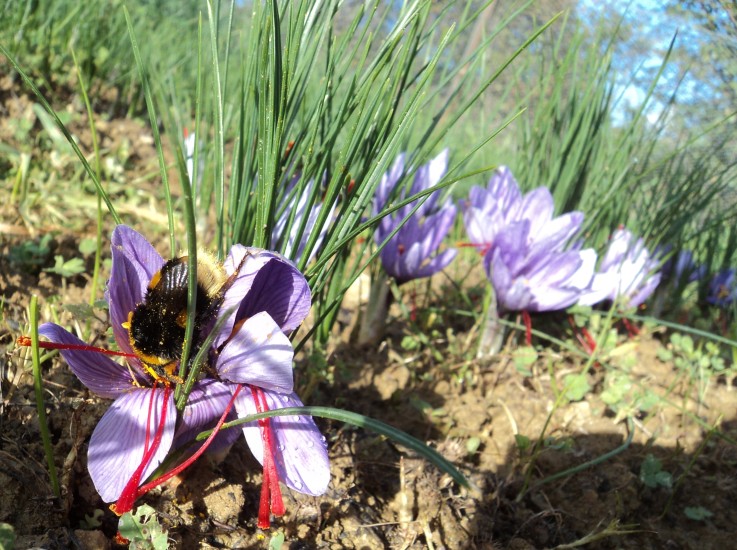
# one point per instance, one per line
(373, 322)
(492, 333)
(614, 529)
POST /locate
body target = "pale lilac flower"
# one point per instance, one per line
(412, 252)
(491, 210)
(538, 275)
(117, 444)
(488, 209)
(627, 272)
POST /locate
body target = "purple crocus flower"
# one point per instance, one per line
(681, 268)
(488, 209)
(536, 274)
(627, 271)
(491, 210)
(268, 295)
(119, 439)
(412, 252)
(722, 288)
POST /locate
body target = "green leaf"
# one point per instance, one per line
(524, 357)
(697, 513)
(576, 386)
(67, 268)
(522, 441)
(653, 475)
(410, 343)
(618, 386)
(7, 536)
(362, 422)
(143, 530)
(88, 246)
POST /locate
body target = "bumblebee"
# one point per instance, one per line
(156, 326)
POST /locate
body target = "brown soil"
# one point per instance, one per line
(476, 413)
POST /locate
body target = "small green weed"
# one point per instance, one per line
(66, 268)
(143, 530)
(653, 475)
(697, 513)
(31, 255)
(699, 362)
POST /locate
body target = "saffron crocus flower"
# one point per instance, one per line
(251, 353)
(488, 209)
(140, 409)
(491, 210)
(681, 268)
(722, 289)
(536, 275)
(627, 272)
(412, 253)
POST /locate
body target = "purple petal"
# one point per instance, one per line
(538, 207)
(96, 371)
(437, 263)
(644, 292)
(206, 404)
(281, 290)
(300, 449)
(135, 262)
(117, 444)
(259, 354)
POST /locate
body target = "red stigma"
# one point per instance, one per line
(528, 327)
(271, 499)
(26, 341)
(132, 492)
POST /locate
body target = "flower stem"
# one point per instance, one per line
(492, 332)
(373, 321)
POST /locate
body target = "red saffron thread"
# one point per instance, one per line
(528, 327)
(26, 341)
(129, 495)
(171, 473)
(271, 498)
